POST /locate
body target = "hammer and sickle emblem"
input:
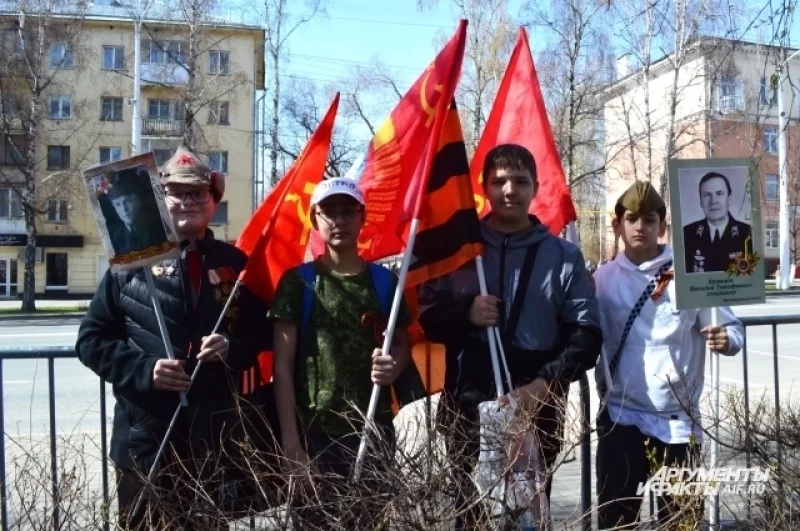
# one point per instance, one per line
(423, 96)
(480, 201)
(303, 213)
(364, 246)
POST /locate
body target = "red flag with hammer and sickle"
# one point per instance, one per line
(394, 169)
(277, 235)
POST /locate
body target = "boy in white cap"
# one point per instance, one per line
(329, 319)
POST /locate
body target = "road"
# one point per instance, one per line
(25, 385)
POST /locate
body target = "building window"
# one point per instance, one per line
(771, 189)
(218, 161)
(13, 150)
(767, 94)
(112, 110)
(57, 157)
(220, 62)
(221, 214)
(731, 93)
(218, 113)
(57, 210)
(110, 154)
(60, 107)
(10, 204)
(10, 109)
(113, 58)
(61, 56)
(159, 109)
(771, 139)
(771, 236)
(164, 52)
(56, 271)
(12, 43)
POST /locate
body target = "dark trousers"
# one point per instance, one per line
(333, 501)
(459, 420)
(625, 458)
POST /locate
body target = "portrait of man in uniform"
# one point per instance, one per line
(139, 223)
(712, 243)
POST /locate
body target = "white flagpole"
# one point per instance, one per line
(498, 378)
(171, 426)
(713, 357)
(387, 344)
(148, 275)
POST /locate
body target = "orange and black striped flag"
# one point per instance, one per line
(448, 237)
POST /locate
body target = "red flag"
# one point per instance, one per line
(398, 160)
(519, 116)
(283, 221)
(276, 236)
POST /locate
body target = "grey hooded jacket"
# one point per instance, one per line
(558, 335)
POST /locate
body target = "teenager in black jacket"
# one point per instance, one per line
(119, 339)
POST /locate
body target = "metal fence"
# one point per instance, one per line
(51, 354)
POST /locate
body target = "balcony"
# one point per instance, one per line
(164, 74)
(731, 104)
(162, 127)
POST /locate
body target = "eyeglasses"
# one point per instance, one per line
(347, 214)
(201, 196)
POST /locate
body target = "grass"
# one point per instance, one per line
(55, 310)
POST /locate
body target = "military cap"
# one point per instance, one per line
(122, 186)
(641, 198)
(185, 167)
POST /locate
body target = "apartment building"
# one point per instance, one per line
(88, 121)
(726, 106)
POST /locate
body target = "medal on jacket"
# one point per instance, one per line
(745, 263)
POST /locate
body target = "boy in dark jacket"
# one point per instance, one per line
(119, 339)
(550, 341)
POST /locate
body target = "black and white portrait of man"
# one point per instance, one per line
(138, 222)
(714, 241)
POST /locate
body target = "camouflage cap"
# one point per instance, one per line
(641, 198)
(185, 167)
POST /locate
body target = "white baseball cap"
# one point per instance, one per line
(338, 186)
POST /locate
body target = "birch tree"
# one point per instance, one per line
(41, 50)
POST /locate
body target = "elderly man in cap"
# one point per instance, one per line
(134, 202)
(119, 339)
(656, 358)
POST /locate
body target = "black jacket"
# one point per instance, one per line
(119, 339)
(703, 255)
(557, 337)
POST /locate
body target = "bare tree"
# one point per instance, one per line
(303, 108)
(492, 32)
(41, 49)
(574, 66)
(281, 24)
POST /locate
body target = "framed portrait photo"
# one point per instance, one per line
(128, 205)
(716, 232)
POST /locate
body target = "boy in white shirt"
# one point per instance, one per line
(656, 356)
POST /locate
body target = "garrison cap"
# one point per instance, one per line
(121, 186)
(185, 167)
(641, 198)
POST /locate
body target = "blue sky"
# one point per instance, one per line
(355, 31)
